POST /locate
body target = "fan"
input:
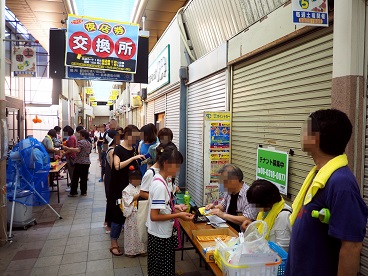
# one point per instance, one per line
(26, 176)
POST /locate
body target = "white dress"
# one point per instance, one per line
(132, 245)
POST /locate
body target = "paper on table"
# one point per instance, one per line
(215, 219)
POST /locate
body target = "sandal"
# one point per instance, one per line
(130, 256)
(118, 249)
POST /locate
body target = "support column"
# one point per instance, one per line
(348, 82)
(3, 127)
(183, 73)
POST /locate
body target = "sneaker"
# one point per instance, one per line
(101, 180)
(72, 195)
(67, 189)
(84, 194)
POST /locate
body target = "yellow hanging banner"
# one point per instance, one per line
(94, 104)
(115, 92)
(92, 99)
(112, 97)
(89, 90)
(110, 103)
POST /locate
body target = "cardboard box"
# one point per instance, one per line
(210, 232)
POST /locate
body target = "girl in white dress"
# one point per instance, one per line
(132, 244)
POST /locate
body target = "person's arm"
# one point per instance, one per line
(70, 149)
(349, 258)
(157, 216)
(119, 165)
(235, 219)
(143, 194)
(111, 153)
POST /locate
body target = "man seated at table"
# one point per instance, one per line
(234, 208)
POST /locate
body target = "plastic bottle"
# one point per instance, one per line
(323, 215)
(187, 200)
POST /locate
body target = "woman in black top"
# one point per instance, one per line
(123, 157)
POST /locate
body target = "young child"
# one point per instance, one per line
(132, 245)
(162, 213)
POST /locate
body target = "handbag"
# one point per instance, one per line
(142, 213)
(176, 233)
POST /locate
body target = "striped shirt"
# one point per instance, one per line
(242, 203)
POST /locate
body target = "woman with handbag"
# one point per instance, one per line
(162, 215)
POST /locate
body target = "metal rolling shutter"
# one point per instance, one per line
(271, 99)
(205, 95)
(160, 104)
(150, 116)
(364, 254)
(172, 118)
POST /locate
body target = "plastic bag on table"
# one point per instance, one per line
(255, 248)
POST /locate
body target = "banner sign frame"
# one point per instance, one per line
(24, 61)
(310, 12)
(102, 44)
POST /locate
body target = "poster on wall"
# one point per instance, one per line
(24, 61)
(216, 151)
(101, 44)
(273, 165)
(310, 12)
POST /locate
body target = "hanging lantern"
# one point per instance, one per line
(37, 120)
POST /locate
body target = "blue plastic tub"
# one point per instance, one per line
(283, 255)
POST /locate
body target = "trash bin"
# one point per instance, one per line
(22, 213)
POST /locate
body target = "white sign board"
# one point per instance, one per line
(24, 61)
(159, 71)
(310, 12)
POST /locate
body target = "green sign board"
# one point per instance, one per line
(273, 166)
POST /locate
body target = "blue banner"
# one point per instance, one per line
(101, 44)
(92, 74)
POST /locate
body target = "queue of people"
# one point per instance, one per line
(314, 248)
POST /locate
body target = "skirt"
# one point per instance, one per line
(161, 258)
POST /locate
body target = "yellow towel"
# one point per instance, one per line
(271, 216)
(305, 195)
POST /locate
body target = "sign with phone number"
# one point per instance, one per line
(310, 12)
(273, 166)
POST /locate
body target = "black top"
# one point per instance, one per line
(119, 181)
(233, 210)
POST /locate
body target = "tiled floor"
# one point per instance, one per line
(77, 244)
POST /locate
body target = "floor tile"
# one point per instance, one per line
(58, 235)
(100, 237)
(20, 265)
(99, 254)
(74, 248)
(79, 233)
(99, 265)
(99, 245)
(27, 254)
(131, 271)
(32, 245)
(81, 226)
(78, 240)
(42, 271)
(56, 242)
(123, 262)
(74, 258)
(48, 261)
(185, 266)
(52, 251)
(25, 272)
(83, 220)
(71, 269)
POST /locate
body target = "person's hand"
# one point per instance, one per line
(185, 216)
(177, 189)
(217, 212)
(65, 148)
(140, 156)
(245, 224)
(209, 206)
(181, 207)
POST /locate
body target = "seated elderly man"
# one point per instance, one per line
(234, 208)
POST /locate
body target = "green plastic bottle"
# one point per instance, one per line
(187, 201)
(323, 215)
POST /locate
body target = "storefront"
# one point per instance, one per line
(272, 95)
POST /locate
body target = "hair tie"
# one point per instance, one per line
(131, 168)
(162, 150)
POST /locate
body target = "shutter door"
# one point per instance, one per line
(204, 95)
(364, 254)
(172, 118)
(271, 100)
(160, 104)
(150, 116)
